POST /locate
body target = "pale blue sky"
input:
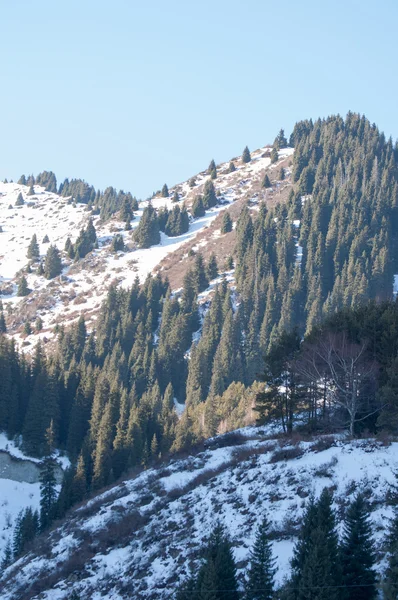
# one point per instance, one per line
(133, 94)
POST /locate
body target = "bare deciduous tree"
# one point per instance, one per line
(344, 372)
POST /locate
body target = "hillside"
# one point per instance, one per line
(143, 535)
(83, 285)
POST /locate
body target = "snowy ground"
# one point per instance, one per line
(15, 495)
(162, 516)
(83, 285)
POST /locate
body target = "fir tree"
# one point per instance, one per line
(165, 191)
(198, 209)
(20, 201)
(280, 140)
(226, 226)
(7, 556)
(261, 574)
(390, 584)
(212, 268)
(357, 552)
(33, 249)
(200, 279)
(231, 167)
(266, 182)
(48, 493)
(46, 240)
(52, 263)
(147, 232)
(246, 158)
(274, 155)
(212, 170)
(3, 326)
(31, 191)
(209, 195)
(23, 289)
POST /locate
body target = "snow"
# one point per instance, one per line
(234, 484)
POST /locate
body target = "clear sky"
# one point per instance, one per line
(134, 94)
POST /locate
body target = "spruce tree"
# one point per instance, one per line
(226, 226)
(3, 326)
(198, 209)
(246, 158)
(31, 191)
(52, 263)
(266, 182)
(212, 170)
(261, 574)
(231, 167)
(200, 279)
(390, 584)
(48, 493)
(357, 552)
(7, 556)
(209, 195)
(33, 248)
(212, 268)
(274, 155)
(165, 191)
(23, 289)
(20, 201)
(147, 232)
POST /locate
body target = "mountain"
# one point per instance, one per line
(152, 327)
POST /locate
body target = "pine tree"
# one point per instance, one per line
(23, 289)
(31, 191)
(266, 182)
(52, 263)
(390, 584)
(3, 326)
(212, 170)
(48, 493)
(212, 268)
(33, 249)
(165, 191)
(282, 174)
(209, 195)
(46, 240)
(246, 158)
(274, 156)
(200, 280)
(231, 167)
(261, 574)
(7, 556)
(280, 140)
(357, 552)
(147, 232)
(198, 209)
(226, 226)
(20, 201)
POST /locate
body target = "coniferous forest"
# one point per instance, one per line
(313, 316)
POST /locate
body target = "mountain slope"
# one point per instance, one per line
(142, 536)
(83, 285)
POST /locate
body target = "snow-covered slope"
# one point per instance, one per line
(140, 538)
(83, 285)
(19, 486)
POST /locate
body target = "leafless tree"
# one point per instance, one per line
(344, 372)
